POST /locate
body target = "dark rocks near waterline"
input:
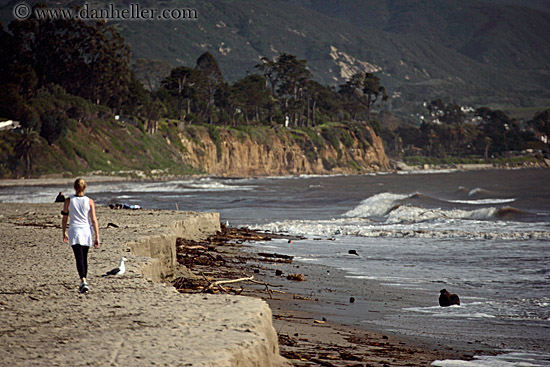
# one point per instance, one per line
(447, 299)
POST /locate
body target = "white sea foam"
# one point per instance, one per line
(483, 201)
(302, 176)
(204, 184)
(130, 187)
(307, 259)
(427, 171)
(410, 214)
(472, 310)
(47, 194)
(214, 186)
(210, 184)
(450, 227)
(502, 360)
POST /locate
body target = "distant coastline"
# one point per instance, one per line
(136, 175)
(402, 166)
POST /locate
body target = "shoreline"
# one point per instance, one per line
(310, 316)
(139, 176)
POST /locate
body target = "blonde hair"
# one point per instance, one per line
(79, 186)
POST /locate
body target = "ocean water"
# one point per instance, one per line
(484, 235)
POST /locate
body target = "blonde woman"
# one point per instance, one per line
(80, 209)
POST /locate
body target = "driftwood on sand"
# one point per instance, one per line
(211, 256)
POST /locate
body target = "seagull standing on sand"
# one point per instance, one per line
(118, 271)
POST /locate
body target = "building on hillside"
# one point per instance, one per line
(9, 125)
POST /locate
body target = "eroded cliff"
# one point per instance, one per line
(260, 151)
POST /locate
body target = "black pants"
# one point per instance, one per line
(81, 257)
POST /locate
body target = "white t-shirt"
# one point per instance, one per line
(80, 229)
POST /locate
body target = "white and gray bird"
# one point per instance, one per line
(118, 271)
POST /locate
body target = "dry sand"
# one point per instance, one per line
(130, 320)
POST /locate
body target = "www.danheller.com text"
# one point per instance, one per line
(135, 11)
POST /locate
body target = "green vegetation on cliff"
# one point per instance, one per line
(68, 83)
(113, 147)
(83, 107)
(102, 146)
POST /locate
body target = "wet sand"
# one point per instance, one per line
(316, 324)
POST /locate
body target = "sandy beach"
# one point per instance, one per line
(310, 320)
(130, 320)
(38, 278)
(134, 320)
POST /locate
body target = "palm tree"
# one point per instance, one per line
(26, 146)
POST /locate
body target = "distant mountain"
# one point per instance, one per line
(543, 5)
(492, 52)
(489, 32)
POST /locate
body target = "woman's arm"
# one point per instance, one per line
(65, 214)
(94, 224)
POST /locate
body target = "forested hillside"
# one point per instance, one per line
(477, 53)
(493, 53)
(61, 78)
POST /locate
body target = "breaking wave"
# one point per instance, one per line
(377, 205)
(400, 215)
(395, 209)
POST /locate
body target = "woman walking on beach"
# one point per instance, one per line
(81, 211)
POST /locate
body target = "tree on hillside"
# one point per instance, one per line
(180, 84)
(213, 79)
(54, 126)
(541, 123)
(151, 72)
(27, 145)
(6, 53)
(362, 91)
(136, 98)
(432, 139)
(90, 60)
(23, 78)
(53, 105)
(153, 110)
(313, 91)
(14, 106)
(323, 101)
(141, 103)
(293, 76)
(503, 132)
(251, 98)
(453, 116)
(286, 77)
(268, 69)
(209, 66)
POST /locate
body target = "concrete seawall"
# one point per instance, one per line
(160, 250)
(132, 320)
